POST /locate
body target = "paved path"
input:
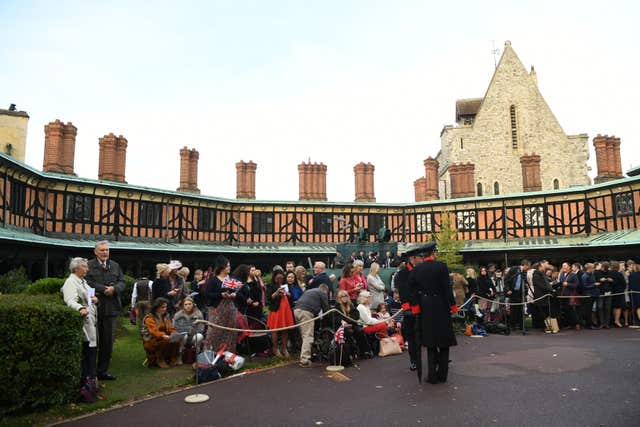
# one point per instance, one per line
(588, 378)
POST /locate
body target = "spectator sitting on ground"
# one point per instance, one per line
(396, 306)
(383, 314)
(371, 325)
(348, 315)
(184, 320)
(161, 350)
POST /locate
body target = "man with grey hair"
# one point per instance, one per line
(106, 277)
(320, 277)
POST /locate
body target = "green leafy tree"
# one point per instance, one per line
(448, 245)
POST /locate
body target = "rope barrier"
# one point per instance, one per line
(551, 296)
(335, 310)
(285, 328)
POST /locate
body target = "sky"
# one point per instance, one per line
(281, 82)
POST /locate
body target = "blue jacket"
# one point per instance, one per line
(589, 285)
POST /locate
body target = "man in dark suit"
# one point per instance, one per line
(401, 283)
(106, 277)
(432, 299)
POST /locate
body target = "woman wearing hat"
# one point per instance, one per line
(162, 286)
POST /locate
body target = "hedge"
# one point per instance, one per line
(14, 281)
(47, 285)
(40, 352)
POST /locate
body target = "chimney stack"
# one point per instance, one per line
(607, 158)
(113, 158)
(59, 147)
(246, 180)
(431, 190)
(364, 182)
(189, 170)
(312, 184)
(420, 189)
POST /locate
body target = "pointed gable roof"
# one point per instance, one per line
(511, 72)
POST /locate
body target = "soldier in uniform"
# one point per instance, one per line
(401, 283)
(431, 298)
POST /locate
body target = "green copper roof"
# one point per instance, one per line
(617, 238)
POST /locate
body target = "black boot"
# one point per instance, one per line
(443, 364)
(432, 363)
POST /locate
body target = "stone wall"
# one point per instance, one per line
(495, 146)
(13, 133)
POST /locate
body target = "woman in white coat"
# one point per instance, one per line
(375, 285)
(81, 297)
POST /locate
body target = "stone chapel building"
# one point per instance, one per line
(507, 142)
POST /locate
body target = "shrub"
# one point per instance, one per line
(47, 285)
(14, 281)
(40, 352)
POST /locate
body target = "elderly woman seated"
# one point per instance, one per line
(161, 340)
(184, 324)
(371, 325)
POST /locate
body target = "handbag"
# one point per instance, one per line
(388, 347)
(399, 339)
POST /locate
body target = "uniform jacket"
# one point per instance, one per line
(98, 277)
(431, 288)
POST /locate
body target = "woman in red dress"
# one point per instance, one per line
(280, 314)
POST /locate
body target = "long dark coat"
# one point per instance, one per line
(431, 289)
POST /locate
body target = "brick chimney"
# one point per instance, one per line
(312, 181)
(420, 188)
(608, 158)
(431, 191)
(531, 172)
(246, 180)
(189, 170)
(59, 147)
(112, 158)
(462, 179)
(364, 182)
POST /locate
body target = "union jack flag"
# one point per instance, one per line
(231, 283)
(339, 335)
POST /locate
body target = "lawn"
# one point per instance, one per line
(134, 382)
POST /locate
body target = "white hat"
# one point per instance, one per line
(174, 264)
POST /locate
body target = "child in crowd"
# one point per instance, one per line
(184, 320)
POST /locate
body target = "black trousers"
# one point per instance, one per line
(409, 335)
(106, 336)
(438, 364)
(88, 362)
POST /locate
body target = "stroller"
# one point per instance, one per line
(496, 319)
(256, 343)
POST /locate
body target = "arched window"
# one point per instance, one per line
(514, 127)
(479, 189)
(496, 188)
(556, 184)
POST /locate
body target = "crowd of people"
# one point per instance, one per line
(167, 308)
(571, 295)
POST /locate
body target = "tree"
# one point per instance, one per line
(448, 245)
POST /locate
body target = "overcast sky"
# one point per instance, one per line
(279, 82)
